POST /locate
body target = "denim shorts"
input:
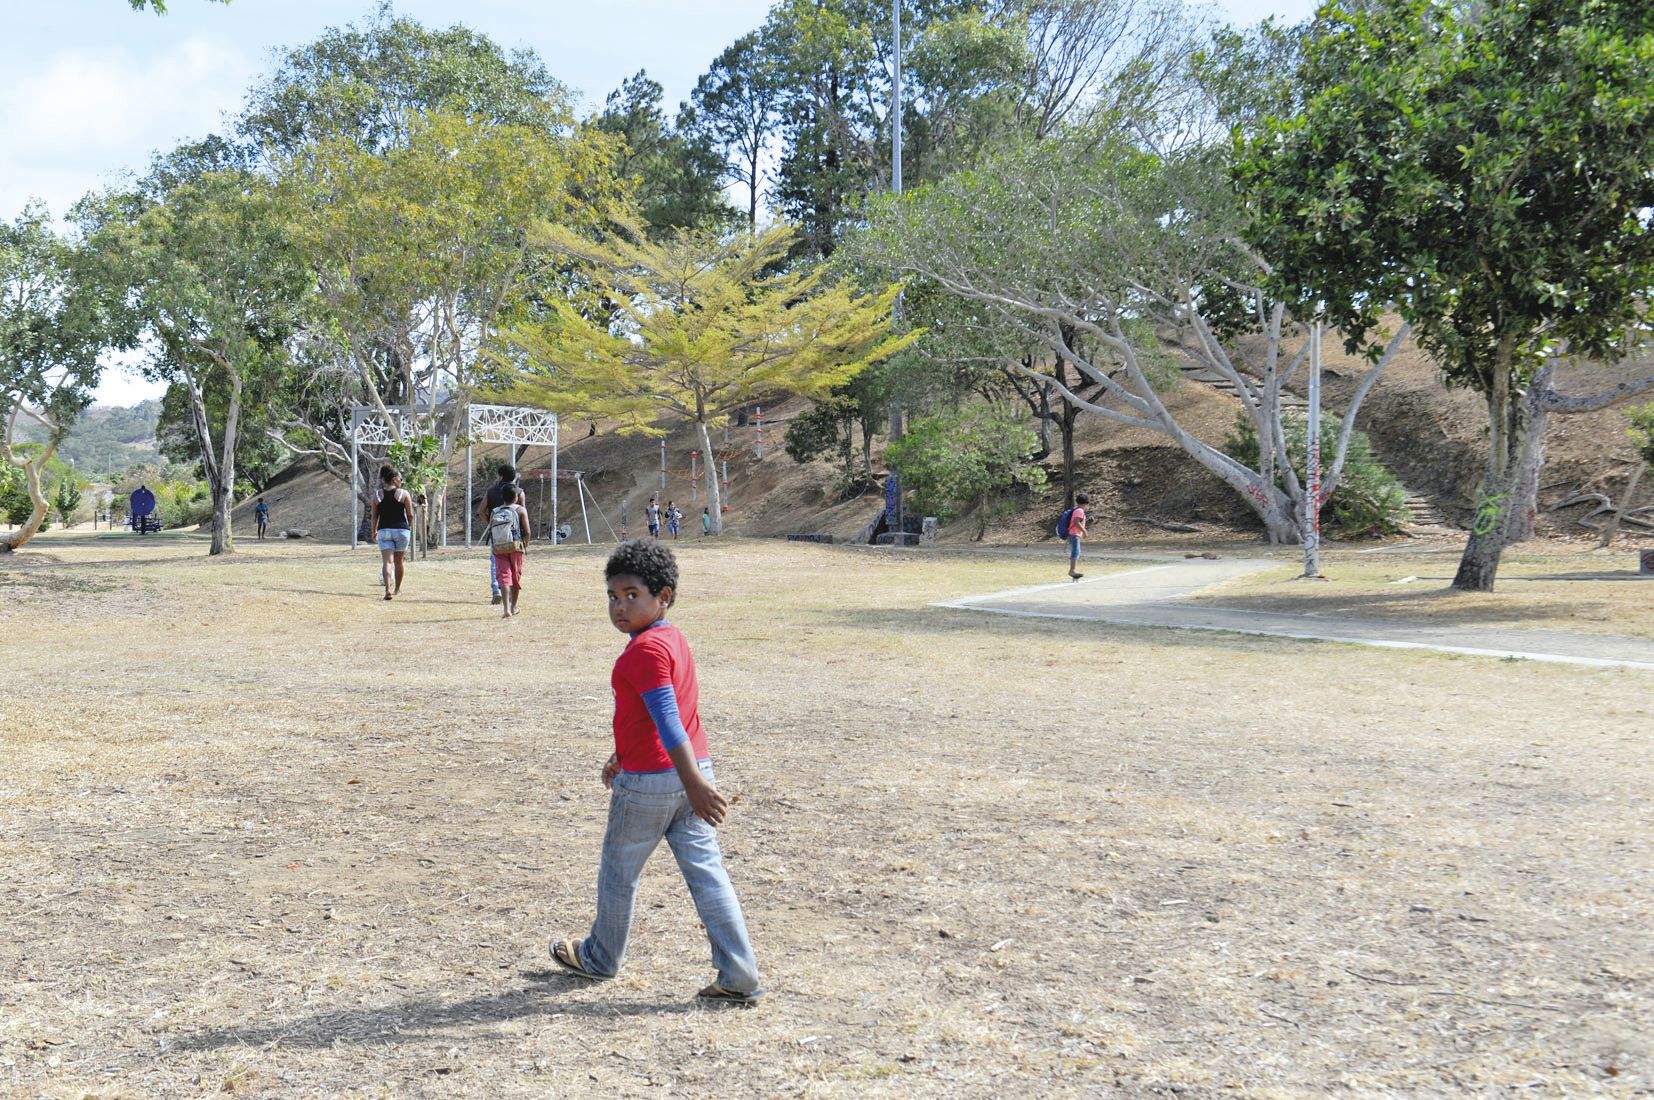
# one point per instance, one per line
(1073, 546)
(395, 538)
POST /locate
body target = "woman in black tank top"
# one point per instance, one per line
(392, 527)
(393, 514)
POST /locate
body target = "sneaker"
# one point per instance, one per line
(495, 602)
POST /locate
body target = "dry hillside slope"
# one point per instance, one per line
(1431, 437)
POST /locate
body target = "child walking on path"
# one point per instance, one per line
(661, 778)
(1076, 534)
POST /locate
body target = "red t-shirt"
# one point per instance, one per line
(1076, 522)
(655, 658)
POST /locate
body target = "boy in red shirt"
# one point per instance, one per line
(661, 778)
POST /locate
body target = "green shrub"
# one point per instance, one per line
(1642, 431)
(965, 457)
(182, 503)
(14, 498)
(66, 499)
(1368, 501)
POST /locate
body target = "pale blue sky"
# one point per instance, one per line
(90, 87)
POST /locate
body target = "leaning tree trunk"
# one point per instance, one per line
(714, 493)
(37, 496)
(1510, 425)
(1613, 526)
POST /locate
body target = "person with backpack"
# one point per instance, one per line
(1071, 527)
(508, 534)
(261, 513)
(673, 518)
(392, 529)
(503, 490)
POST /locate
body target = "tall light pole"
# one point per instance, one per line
(896, 109)
(895, 509)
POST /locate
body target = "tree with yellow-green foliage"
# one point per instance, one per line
(695, 326)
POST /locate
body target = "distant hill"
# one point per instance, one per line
(107, 441)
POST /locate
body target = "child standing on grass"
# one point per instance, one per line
(660, 776)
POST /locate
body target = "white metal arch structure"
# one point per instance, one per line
(513, 425)
(368, 425)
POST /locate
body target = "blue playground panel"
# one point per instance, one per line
(143, 518)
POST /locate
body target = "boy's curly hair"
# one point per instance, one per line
(646, 560)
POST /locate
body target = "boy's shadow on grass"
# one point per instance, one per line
(416, 1019)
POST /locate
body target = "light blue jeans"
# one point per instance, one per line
(644, 807)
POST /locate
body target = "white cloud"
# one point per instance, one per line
(82, 116)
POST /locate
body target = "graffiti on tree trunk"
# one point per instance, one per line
(1488, 511)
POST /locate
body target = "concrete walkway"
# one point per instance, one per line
(1149, 597)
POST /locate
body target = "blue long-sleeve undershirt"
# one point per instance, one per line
(663, 708)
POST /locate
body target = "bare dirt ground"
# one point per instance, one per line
(267, 835)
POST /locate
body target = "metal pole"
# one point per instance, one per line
(556, 433)
(896, 414)
(663, 465)
(1312, 490)
(760, 430)
(470, 501)
(694, 477)
(725, 506)
(896, 107)
(580, 487)
(355, 483)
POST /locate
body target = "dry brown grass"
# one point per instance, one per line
(265, 834)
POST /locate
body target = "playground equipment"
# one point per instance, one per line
(516, 426)
(509, 424)
(144, 520)
(564, 531)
